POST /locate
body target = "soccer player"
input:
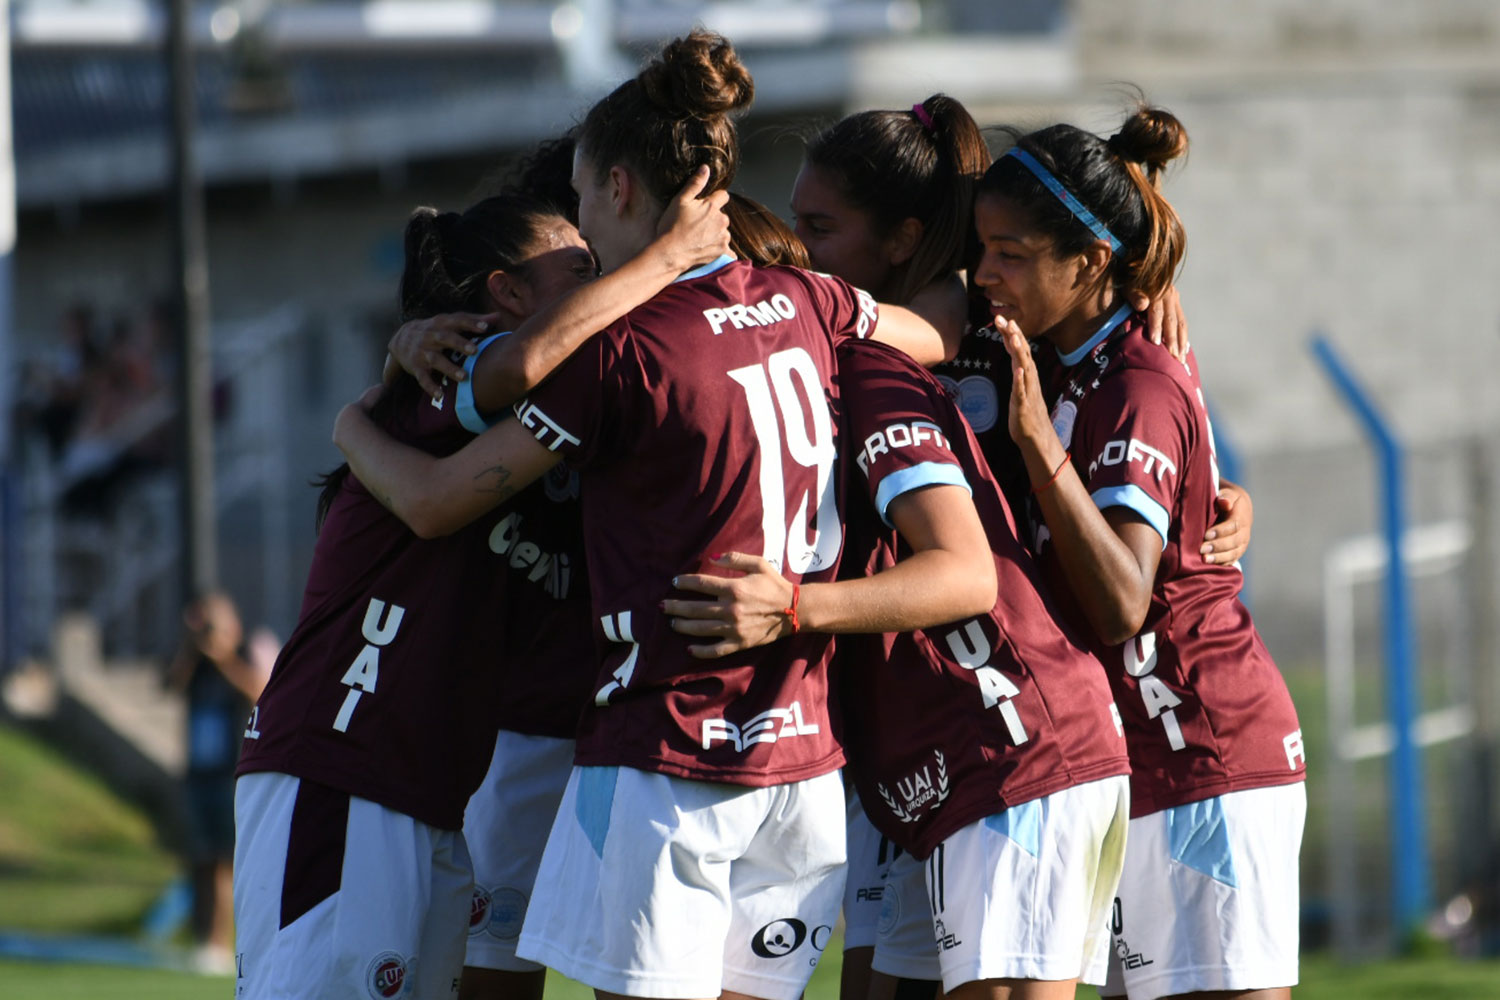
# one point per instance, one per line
(984, 742)
(378, 721)
(884, 200)
(1123, 479)
(699, 848)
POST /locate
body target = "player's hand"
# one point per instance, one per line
(694, 229)
(1029, 422)
(1229, 536)
(354, 413)
(425, 347)
(742, 612)
(1166, 324)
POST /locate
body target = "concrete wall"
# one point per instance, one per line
(1344, 176)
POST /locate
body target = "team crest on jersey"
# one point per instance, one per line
(507, 912)
(479, 910)
(1064, 416)
(976, 399)
(386, 976)
(561, 483)
(927, 786)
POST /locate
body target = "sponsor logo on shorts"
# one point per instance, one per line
(507, 913)
(778, 938)
(869, 894)
(1128, 959)
(479, 910)
(946, 939)
(386, 976)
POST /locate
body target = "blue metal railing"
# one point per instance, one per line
(1409, 865)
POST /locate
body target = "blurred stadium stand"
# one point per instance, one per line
(293, 89)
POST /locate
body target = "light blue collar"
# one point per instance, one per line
(1078, 354)
(708, 268)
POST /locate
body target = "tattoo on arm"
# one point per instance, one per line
(495, 480)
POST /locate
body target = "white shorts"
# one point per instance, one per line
(870, 855)
(337, 897)
(653, 886)
(1022, 894)
(506, 826)
(1209, 897)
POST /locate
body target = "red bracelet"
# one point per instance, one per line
(791, 612)
(1067, 457)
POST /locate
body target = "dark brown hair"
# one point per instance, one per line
(759, 236)
(921, 164)
(674, 117)
(1118, 180)
(449, 258)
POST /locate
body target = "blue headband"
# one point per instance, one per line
(1075, 206)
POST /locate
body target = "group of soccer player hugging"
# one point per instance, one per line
(1038, 652)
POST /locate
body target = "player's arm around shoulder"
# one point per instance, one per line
(437, 496)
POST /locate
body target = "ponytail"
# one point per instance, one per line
(1115, 183)
(920, 163)
(674, 117)
(448, 260)
(1149, 140)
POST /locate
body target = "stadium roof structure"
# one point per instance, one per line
(322, 87)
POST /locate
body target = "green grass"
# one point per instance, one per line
(73, 857)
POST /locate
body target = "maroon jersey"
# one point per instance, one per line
(1205, 709)
(950, 724)
(703, 423)
(405, 661)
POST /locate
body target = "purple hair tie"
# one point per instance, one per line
(924, 117)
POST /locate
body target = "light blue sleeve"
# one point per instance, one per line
(1138, 500)
(463, 398)
(914, 477)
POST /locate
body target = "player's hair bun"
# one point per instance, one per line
(1152, 137)
(698, 76)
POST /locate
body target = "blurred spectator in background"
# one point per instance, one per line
(101, 399)
(221, 675)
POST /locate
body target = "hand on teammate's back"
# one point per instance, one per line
(1229, 536)
(743, 611)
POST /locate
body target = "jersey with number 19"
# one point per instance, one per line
(701, 423)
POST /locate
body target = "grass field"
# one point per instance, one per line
(74, 861)
(73, 857)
